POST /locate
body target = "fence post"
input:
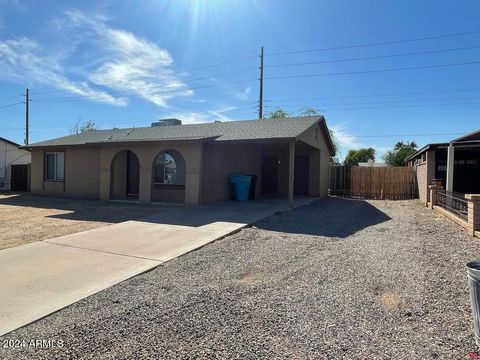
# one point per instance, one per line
(473, 212)
(433, 196)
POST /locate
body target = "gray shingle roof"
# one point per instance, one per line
(218, 131)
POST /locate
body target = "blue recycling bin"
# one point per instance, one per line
(241, 184)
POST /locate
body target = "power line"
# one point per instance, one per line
(356, 35)
(153, 88)
(10, 97)
(132, 92)
(184, 71)
(185, 81)
(219, 75)
(400, 101)
(400, 106)
(388, 107)
(374, 95)
(214, 65)
(407, 135)
(373, 71)
(376, 43)
(228, 61)
(116, 122)
(374, 57)
(8, 105)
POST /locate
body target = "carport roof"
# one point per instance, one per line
(472, 138)
(288, 128)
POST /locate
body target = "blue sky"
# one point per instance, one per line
(128, 63)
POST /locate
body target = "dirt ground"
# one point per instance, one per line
(25, 218)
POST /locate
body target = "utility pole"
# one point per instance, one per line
(260, 98)
(27, 104)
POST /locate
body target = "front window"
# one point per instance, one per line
(165, 169)
(55, 166)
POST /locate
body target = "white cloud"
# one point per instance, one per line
(242, 94)
(113, 63)
(348, 141)
(23, 59)
(344, 139)
(129, 64)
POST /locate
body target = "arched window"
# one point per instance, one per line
(169, 168)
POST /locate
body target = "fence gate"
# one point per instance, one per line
(393, 183)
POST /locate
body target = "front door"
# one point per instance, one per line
(301, 175)
(133, 174)
(270, 175)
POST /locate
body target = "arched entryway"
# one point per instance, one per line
(125, 176)
(168, 177)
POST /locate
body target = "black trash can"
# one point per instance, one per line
(473, 276)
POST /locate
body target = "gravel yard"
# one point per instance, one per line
(337, 279)
(25, 218)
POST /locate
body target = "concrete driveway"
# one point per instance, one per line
(42, 277)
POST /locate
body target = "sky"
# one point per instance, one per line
(379, 71)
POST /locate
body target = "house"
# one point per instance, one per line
(456, 164)
(372, 163)
(14, 166)
(170, 162)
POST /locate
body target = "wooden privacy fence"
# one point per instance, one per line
(393, 183)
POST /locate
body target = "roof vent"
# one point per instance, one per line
(167, 122)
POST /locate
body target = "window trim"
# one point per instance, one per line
(55, 179)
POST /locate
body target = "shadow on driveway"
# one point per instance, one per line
(79, 209)
(330, 217)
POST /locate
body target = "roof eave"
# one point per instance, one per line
(425, 148)
(466, 136)
(10, 142)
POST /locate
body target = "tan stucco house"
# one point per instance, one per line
(170, 162)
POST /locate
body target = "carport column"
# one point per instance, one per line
(473, 212)
(291, 171)
(450, 166)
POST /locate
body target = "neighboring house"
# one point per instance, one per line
(456, 164)
(14, 169)
(372, 163)
(186, 163)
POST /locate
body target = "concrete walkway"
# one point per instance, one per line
(40, 278)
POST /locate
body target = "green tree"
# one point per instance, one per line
(361, 155)
(278, 113)
(309, 111)
(82, 127)
(401, 150)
